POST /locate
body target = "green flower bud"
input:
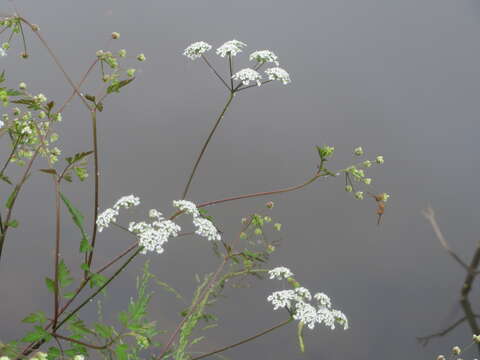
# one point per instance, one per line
(53, 137)
(359, 195)
(122, 53)
(131, 72)
(22, 86)
(379, 159)
(35, 27)
(141, 57)
(456, 350)
(277, 226)
(6, 46)
(358, 151)
(367, 163)
(267, 219)
(367, 181)
(42, 115)
(258, 231)
(385, 197)
(115, 35)
(243, 235)
(348, 188)
(100, 53)
(325, 151)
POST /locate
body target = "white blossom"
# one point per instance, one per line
(280, 273)
(232, 48)
(196, 49)
(205, 228)
(247, 75)
(3, 52)
(152, 237)
(323, 299)
(105, 218)
(305, 313)
(2, 124)
(277, 73)
(264, 56)
(297, 302)
(282, 299)
(79, 357)
(187, 206)
(303, 293)
(127, 202)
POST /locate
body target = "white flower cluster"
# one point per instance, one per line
(247, 75)
(297, 302)
(264, 56)
(231, 47)
(153, 236)
(196, 49)
(3, 52)
(110, 215)
(277, 73)
(205, 227)
(280, 273)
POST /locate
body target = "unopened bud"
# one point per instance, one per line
(115, 35)
(358, 151)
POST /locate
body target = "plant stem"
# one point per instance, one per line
(215, 72)
(264, 193)
(57, 252)
(97, 189)
(204, 147)
(231, 346)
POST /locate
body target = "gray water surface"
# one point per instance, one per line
(399, 78)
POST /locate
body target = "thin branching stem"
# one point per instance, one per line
(207, 141)
(216, 72)
(244, 341)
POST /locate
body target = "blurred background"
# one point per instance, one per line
(400, 78)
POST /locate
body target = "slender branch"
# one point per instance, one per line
(264, 193)
(57, 252)
(430, 216)
(14, 148)
(254, 85)
(204, 147)
(215, 72)
(230, 66)
(467, 284)
(97, 188)
(91, 346)
(246, 340)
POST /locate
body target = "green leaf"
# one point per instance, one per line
(49, 171)
(69, 295)
(97, 280)
(100, 106)
(11, 198)
(13, 224)
(5, 178)
(104, 331)
(85, 246)
(121, 351)
(77, 157)
(36, 317)
(84, 267)
(64, 277)
(50, 284)
(38, 334)
(117, 86)
(90, 97)
(53, 353)
(77, 219)
(67, 176)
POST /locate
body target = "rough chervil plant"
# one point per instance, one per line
(28, 126)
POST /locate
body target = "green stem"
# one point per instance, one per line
(205, 145)
(246, 340)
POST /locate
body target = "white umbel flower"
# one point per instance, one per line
(306, 313)
(127, 202)
(303, 293)
(323, 299)
(3, 52)
(152, 237)
(196, 49)
(105, 218)
(2, 124)
(277, 73)
(110, 215)
(187, 206)
(206, 229)
(232, 48)
(247, 75)
(282, 299)
(264, 56)
(280, 273)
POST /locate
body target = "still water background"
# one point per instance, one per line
(399, 78)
